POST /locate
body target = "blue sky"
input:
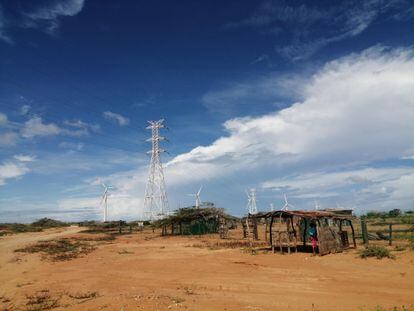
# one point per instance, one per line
(312, 99)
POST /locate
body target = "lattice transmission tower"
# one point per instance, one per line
(155, 201)
(251, 201)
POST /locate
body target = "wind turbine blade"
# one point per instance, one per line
(199, 190)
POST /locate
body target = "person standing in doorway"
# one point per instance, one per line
(313, 235)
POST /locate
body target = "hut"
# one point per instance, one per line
(197, 221)
(290, 230)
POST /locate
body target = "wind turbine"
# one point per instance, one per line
(287, 204)
(105, 199)
(272, 207)
(197, 197)
(317, 206)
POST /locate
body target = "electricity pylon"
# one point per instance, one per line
(251, 201)
(155, 201)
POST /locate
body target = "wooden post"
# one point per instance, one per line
(248, 233)
(304, 232)
(270, 231)
(390, 235)
(353, 233)
(364, 232)
(120, 227)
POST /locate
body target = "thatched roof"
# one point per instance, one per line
(303, 214)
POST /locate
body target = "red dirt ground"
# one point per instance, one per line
(144, 271)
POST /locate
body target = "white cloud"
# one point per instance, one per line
(25, 158)
(121, 120)
(72, 146)
(119, 206)
(3, 119)
(25, 109)
(10, 170)
(45, 15)
(79, 128)
(273, 89)
(36, 127)
(358, 108)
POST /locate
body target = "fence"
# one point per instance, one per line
(384, 234)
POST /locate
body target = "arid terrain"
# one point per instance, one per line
(144, 271)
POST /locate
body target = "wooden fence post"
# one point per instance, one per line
(364, 232)
(390, 235)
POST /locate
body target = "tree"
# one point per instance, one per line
(394, 213)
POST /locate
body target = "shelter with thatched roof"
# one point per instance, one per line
(197, 221)
(290, 230)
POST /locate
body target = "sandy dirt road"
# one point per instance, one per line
(144, 271)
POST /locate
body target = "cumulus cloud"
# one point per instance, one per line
(36, 127)
(116, 117)
(80, 128)
(11, 170)
(357, 109)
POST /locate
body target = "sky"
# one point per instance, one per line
(312, 99)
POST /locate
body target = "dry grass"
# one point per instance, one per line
(233, 244)
(41, 300)
(86, 295)
(59, 250)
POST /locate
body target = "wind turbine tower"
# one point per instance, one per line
(251, 201)
(104, 200)
(155, 200)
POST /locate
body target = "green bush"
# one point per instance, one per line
(49, 223)
(376, 251)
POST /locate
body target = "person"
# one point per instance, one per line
(313, 235)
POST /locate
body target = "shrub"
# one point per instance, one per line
(376, 251)
(49, 223)
(59, 250)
